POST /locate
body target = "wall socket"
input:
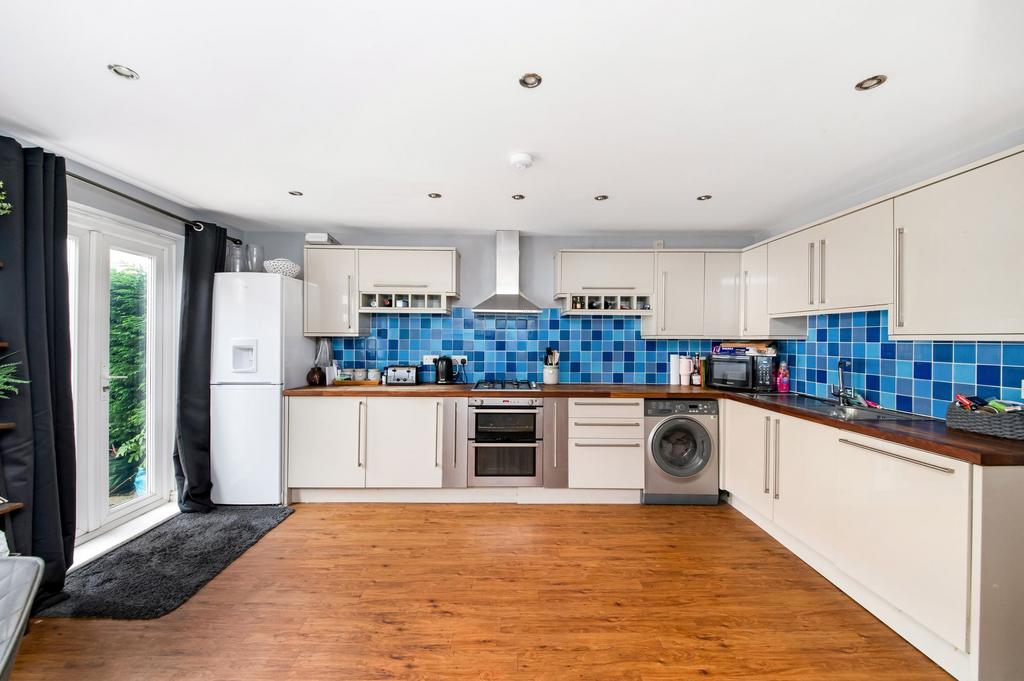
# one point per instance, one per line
(659, 244)
(428, 360)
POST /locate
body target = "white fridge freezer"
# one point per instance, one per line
(258, 349)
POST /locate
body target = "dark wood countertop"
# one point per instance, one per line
(928, 434)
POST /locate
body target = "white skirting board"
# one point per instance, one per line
(953, 660)
(474, 495)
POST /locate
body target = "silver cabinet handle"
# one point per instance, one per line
(348, 310)
(362, 434)
(606, 444)
(605, 425)
(511, 445)
(437, 434)
(608, 288)
(376, 285)
(661, 303)
(899, 275)
(554, 424)
(810, 273)
(455, 434)
(767, 449)
(777, 428)
(941, 469)
(821, 271)
(746, 300)
(607, 404)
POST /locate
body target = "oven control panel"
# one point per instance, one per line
(510, 402)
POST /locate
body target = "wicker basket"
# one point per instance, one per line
(1009, 425)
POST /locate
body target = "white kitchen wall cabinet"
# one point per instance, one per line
(855, 260)
(404, 441)
(678, 296)
(721, 295)
(903, 529)
(326, 440)
(604, 272)
(331, 296)
(754, 321)
(409, 271)
(748, 455)
(959, 245)
(842, 264)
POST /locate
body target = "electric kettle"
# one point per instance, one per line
(446, 369)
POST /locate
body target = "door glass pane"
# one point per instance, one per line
(506, 461)
(128, 414)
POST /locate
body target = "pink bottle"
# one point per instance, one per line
(782, 378)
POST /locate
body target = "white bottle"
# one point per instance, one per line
(685, 370)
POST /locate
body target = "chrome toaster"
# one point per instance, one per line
(401, 375)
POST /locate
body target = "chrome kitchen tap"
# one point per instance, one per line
(844, 366)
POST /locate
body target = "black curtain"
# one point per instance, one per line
(37, 457)
(205, 245)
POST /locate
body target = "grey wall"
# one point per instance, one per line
(477, 251)
(94, 197)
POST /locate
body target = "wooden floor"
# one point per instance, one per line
(367, 591)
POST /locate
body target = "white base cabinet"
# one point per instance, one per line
(892, 525)
(404, 441)
(325, 442)
(606, 443)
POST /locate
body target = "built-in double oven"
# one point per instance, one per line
(506, 442)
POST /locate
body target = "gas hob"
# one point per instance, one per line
(506, 385)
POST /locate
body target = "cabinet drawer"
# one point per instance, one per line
(602, 428)
(606, 464)
(613, 408)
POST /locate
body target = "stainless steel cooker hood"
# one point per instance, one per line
(507, 299)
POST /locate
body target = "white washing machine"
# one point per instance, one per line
(681, 466)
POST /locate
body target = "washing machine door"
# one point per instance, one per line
(681, 447)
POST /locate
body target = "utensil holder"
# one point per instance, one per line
(551, 375)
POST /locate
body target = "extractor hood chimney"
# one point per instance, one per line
(506, 298)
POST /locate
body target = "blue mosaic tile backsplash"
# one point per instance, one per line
(912, 376)
(593, 349)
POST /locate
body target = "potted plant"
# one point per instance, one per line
(5, 208)
(9, 380)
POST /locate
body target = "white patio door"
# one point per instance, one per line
(124, 290)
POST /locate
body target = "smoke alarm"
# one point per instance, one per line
(520, 159)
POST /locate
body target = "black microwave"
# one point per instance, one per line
(742, 372)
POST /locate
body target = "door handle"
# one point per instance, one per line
(348, 310)
(777, 428)
(821, 271)
(746, 300)
(362, 434)
(437, 434)
(925, 464)
(376, 285)
(810, 273)
(606, 444)
(617, 425)
(607, 404)
(661, 303)
(899, 276)
(767, 449)
(554, 424)
(106, 386)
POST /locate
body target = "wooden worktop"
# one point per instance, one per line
(928, 434)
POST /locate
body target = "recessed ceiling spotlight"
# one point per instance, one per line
(123, 71)
(518, 197)
(601, 197)
(434, 195)
(530, 80)
(704, 197)
(295, 192)
(870, 83)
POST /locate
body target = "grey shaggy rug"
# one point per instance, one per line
(156, 572)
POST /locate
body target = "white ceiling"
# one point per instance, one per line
(368, 106)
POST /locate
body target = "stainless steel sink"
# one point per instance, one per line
(832, 409)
